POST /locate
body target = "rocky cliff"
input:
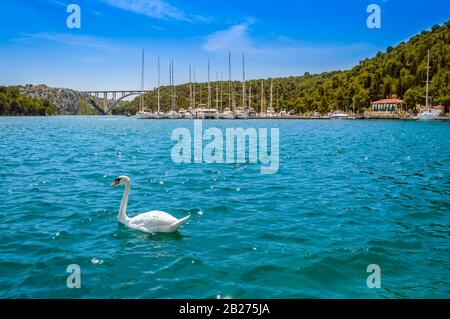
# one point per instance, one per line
(67, 101)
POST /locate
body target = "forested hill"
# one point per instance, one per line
(43, 100)
(397, 72)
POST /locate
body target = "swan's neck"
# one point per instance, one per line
(122, 217)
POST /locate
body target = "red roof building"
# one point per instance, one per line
(387, 105)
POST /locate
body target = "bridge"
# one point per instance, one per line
(105, 101)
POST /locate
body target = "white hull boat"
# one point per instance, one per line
(338, 115)
(173, 115)
(227, 114)
(427, 115)
(143, 115)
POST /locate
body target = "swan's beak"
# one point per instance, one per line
(115, 183)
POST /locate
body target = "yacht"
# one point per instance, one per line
(143, 115)
(209, 114)
(283, 113)
(241, 114)
(271, 112)
(188, 115)
(428, 113)
(173, 115)
(205, 112)
(159, 115)
(262, 115)
(185, 114)
(226, 114)
(251, 112)
(338, 115)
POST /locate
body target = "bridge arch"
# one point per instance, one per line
(117, 96)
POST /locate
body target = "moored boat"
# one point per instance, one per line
(226, 114)
(173, 115)
(241, 114)
(338, 115)
(185, 114)
(143, 115)
(271, 112)
(159, 115)
(428, 114)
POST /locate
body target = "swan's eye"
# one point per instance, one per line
(117, 180)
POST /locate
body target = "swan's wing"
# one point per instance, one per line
(152, 221)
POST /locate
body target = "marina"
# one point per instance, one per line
(384, 109)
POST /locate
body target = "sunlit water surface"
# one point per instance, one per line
(348, 194)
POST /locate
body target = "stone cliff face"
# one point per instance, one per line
(66, 100)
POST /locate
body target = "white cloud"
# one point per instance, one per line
(158, 9)
(57, 3)
(70, 39)
(284, 55)
(234, 37)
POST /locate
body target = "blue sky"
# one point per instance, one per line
(280, 38)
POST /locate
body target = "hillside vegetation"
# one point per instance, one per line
(12, 102)
(43, 100)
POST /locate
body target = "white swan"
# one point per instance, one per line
(151, 222)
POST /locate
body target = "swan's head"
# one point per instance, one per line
(121, 180)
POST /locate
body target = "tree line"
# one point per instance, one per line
(14, 103)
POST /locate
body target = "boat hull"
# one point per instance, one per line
(227, 116)
(144, 115)
(426, 116)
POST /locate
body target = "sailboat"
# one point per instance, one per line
(187, 114)
(227, 112)
(172, 114)
(205, 111)
(428, 114)
(270, 110)
(242, 113)
(142, 115)
(158, 114)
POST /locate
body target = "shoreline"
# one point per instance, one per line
(441, 118)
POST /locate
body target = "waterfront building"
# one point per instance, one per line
(388, 105)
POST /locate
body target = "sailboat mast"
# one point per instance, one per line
(250, 96)
(142, 83)
(159, 85)
(170, 84)
(193, 92)
(271, 93)
(174, 90)
(217, 90)
(209, 89)
(278, 101)
(428, 79)
(243, 81)
(262, 96)
(190, 88)
(221, 91)
(229, 81)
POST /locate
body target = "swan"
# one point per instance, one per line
(150, 222)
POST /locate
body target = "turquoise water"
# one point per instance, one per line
(348, 194)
